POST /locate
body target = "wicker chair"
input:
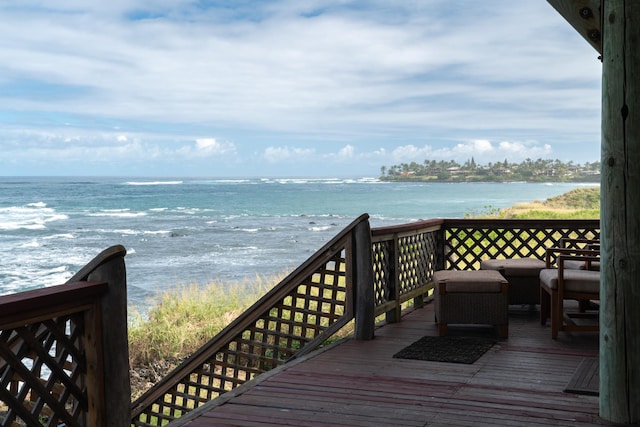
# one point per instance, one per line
(562, 283)
(578, 264)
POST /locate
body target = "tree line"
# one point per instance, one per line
(541, 170)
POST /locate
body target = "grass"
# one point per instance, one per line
(187, 317)
(580, 203)
(183, 321)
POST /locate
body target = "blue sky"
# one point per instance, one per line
(289, 87)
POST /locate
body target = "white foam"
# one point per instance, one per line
(248, 230)
(118, 213)
(320, 228)
(152, 232)
(60, 236)
(232, 181)
(125, 231)
(30, 244)
(33, 216)
(154, 182)
(37, 205)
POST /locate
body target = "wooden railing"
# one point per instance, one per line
(295, 317)
(57, 346)
(360, 274)
(404, 260)
(356, 274)
(468, 241)
(406, 256)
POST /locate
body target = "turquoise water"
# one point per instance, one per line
(191, 231)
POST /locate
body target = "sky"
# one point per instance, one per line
(268, 88)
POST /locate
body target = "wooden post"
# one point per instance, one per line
(393, 315)
(363, 266)
(109, 267)
(620, 214)
(440, 248)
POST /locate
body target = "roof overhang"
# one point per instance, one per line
(585, 17)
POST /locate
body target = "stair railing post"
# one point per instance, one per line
(115, 357)
(363, 276)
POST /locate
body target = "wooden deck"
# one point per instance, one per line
(518, 382)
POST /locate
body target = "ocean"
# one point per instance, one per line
(187, 231)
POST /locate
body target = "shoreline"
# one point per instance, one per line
(491, 181)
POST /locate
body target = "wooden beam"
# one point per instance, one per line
(584, 16)
(620, 214)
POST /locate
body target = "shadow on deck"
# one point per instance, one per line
(520, 381)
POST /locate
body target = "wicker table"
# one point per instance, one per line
(471, 297)
(523, 275)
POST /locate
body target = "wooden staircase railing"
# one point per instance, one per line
(295, 317)
(56, 347)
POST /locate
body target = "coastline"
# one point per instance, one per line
(592, 179)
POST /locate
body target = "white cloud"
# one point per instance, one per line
(346, 153)
(519, 151)
(207, 147)
(483, 151)
(411, 153)
(410, 78)
(286, 154)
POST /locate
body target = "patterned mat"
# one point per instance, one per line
(449, 349)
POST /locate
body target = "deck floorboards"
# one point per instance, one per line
(519, 382)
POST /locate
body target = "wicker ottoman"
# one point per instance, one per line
(471, 297)
(523, 275)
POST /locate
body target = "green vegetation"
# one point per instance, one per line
(183, 321)
(187, 317)
(532, 171)
(581, 203)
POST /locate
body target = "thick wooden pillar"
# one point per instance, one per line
(620, 213)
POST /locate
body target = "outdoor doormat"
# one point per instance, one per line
(586, 378)
(449, 349)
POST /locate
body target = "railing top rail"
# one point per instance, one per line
(23, 305)
(433, 224)
(530, 223)
(402, 228)
(103, 257)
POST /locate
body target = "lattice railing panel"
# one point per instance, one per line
(43, 372)
(416, 261)
(403, 263)
(276, 334)
(468, 243)
(383, 271)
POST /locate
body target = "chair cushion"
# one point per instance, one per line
(574, 280)
(514, 266)
(575, 264)
(470, 281)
